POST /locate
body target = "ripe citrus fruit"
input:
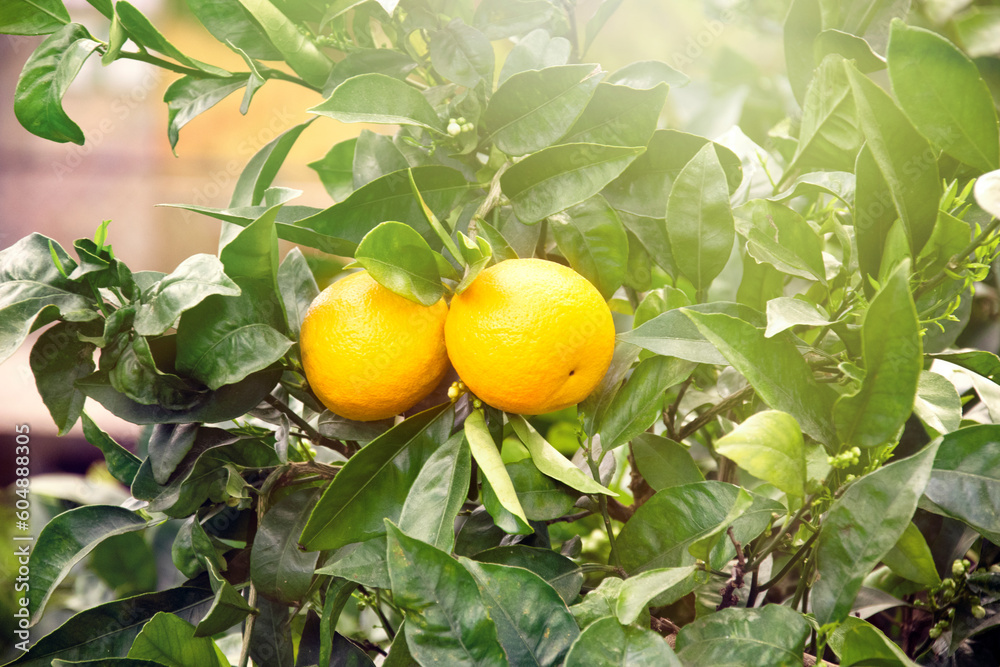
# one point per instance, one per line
(530, 336)
(369, 353)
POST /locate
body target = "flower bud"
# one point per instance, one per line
(978, 611)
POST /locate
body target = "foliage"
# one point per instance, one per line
(788, 437)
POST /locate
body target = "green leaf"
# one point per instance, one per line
(487, 456)
(447, 620)
(644, 187)
(646, 75)
(107, 662)
(536, 50)
(769, 446)
(902, 156)
(477, 255)
(228, 608)
(785, 312)
(541, 498)
(638, 592)
(378, 98)
(271, 637)
(559, 571)
(774, 368)
(368, 61)
(558, 177)
(298, 288)
(363, 563)
(58, 359)
(663, 462)
(189, 96)
(194, 552)
(437, 495)
(258, 175)
(829, 137)
(226, 338)
(966, 479)
(32, 17)
(937, 403)
(143, 32)
(772, 635)
(618, 115)
(375, 155)
(940, 90)
(109, 629)
(551, 462)
(911, 558)
(533, 624)
(608, 643)
(299, 51)
(122, 464)
(500, 19)
(399, 259)
(170, 641)
(592, 238)
(532, 109)
(168, 445)
(44, 80)
(374, 483)
(677, 523)
(278, 568)
(598, 603)
(462, 54)
(893, 359)
(194, 279)
(699, 219)
(335, 169)
(639, 403)
(66, 540)
(230, 23)
(851, 47)
(858, 642)
(779, 236)
(862, 526)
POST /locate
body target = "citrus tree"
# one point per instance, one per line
(783, 455)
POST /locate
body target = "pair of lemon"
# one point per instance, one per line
(528, 336)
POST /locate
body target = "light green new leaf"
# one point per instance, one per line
(769, 446)
(893, 358)
(550, 462)
(937, 403)
(170, 641)
(862, 526)
(487, 456)
(378, 98)
(557, 177)
(44, 80)
(829, 137)
(773, 635)
(786, 312)
(299, 51)
(399, 258)
(638, 592)
(144, 32)
(189, 96)
(942, 93)
(911, 558)
(699, 219)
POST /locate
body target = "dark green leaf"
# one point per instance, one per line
(363, 563)
(862, 526)
(224, 339)
(228, 608)
(193, 280)
(462, 54)
(558, 177)
(271, 639)
(541, 498)
(664, 462)
(592, 238)
(437, 495)
(559, 571)
(231, 24)
(639, 403)
(532, 109)
(298, 288)
(774, 368)
(942, 93)
(67, 539)
(769, 446)
(168, 445)
(32, 17)
(618, 115)
(536, 50)
(278, 568)
(259, 173)
(772, 635)
(911, 558)
(448, 621)
(374, 483)
(965, 481)
(189, 96)
(143, 32)
(532, 622)
(335, 169)
(368, 61)
(375, 155)
(126, 563)
(893, 360)
(487, 456)
(110, 628)
(122, 464)
(337, 595)
(58, 359)
(44, 80)
(858, 642)
(643, 188)
(608, 643)
(699, 219)
(193, 551)
(299, 51)
(107, 662)
(638, 592)
(398, 258)
(551, 462)
(902, 156)
(378, 98)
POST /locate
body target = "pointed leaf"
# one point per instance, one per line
(965, 481)
(122, 464)
(858, 642)
(559, 571)
(911, 558)
(487, 456)
(32, 17)
(663, 462)
(58, 359)
(299, 51)
(189, 96)
(278, 568)
(772, 635)
(375, 155)
(462, 54)
(937, 403)
(142, 31)
(536, 50)
(637, 592)
(592, 238)
(829, 137)
(258, 175)
(398, 258)
(608, 643)
(551, 462)
(298, 288)
(618, 115)
(230, 23)
(769, 446)
(194, 279)
(228, 608)
(437, 495)
(786, 312)
(377, 98)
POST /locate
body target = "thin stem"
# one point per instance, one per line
(770, 546)
(306, 427)
(790, 564)
(717, 409)
(602, 502)
(953, 262)
(146, 57)
(248, 628)
(382, 617)
(435, 224)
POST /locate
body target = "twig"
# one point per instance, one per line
(713, 412)
(736, 580)
(306, 427)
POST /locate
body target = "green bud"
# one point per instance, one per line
(856, 451)
(978, 611)
(453, 129)
(957, 568)
(934, 633)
